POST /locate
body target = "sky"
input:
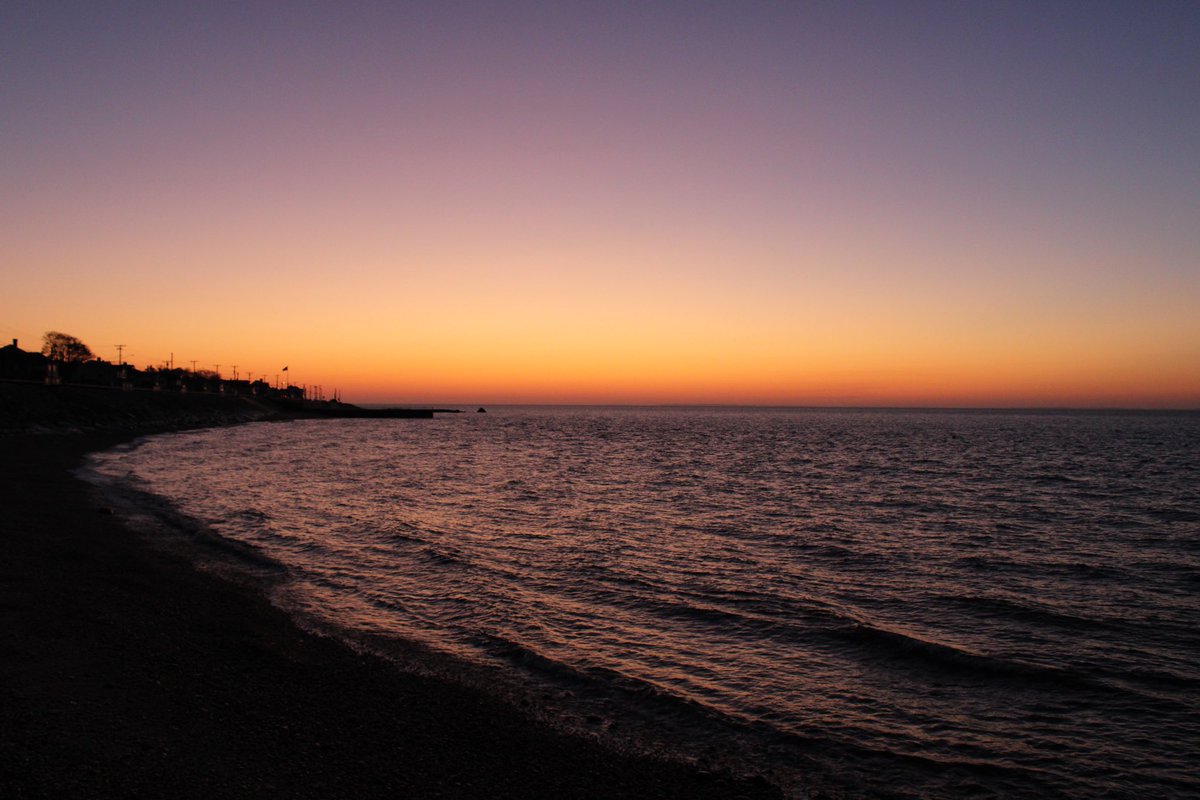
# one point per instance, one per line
(783, 203)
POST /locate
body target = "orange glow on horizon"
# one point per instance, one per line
(551, 344)
(745, 214)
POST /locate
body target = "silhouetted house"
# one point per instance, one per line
(166, 380)
(18, 364)
(145, 379)
(94, 373)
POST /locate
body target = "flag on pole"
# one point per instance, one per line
(283, 370)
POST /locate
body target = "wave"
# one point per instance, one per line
(1159, 679)
(833, 552)
(1174, 514)
(1055, 479)
(611, 692)
(1041, 567)
(408, 535)
(1010, 609)
(149, 512)
(794, 624)
(253, 514)
(444, 557)
(887, 644)
(728, 621)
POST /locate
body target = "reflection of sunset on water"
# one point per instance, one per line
(980, 603)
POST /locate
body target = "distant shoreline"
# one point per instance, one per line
(31, 407)
(719, 407)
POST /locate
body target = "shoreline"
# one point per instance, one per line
(125, 670)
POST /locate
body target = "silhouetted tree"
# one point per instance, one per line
(64, 347)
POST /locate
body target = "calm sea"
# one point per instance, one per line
(876, 603)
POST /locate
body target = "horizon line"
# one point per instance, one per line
(802, 407)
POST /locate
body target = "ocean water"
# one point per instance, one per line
(856, 603)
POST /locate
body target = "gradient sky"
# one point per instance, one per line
(961, 203)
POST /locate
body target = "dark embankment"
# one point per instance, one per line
(125, 672)
(33, 407)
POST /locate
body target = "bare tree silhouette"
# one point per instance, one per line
(64, 347)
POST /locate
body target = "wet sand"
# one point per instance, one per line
(125, 672)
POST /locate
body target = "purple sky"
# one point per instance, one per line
(908, 188)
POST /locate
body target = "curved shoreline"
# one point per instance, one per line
(125, 671)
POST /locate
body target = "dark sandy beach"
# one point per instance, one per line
(125, 672)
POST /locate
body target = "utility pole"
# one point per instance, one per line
(193, 366)
(120, 358)
(235, 372)
(172, 360)
(218, 371)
